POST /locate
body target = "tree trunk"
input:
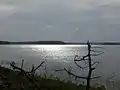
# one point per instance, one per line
(88, 80)
(90, 67)
(88, 84)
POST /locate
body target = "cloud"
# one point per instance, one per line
(6, 10)
(36, 5)
(68, 20)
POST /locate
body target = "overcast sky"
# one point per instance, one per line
(66, 20)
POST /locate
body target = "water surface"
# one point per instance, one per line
(59, 56)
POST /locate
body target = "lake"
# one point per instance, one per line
(60, 56)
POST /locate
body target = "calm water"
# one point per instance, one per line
(58, 56)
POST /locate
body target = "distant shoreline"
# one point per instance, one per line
(57, 43)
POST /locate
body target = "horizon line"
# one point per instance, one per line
(57, 43)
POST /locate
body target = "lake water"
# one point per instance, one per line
(60, 56)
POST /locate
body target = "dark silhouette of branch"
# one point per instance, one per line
(28, 74)
(89, 63)
(95, 77)
(95, 63)
(96, 51)
(74, 74)
(81, 67)
(99, 48)
(39, 65)
(15, 67)
(22, 63)
(21, 66)
(78, 65)
(83, 58)
(97, 54)
(33, 70)
(70, 73)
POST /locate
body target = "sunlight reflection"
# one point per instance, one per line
(59, 53)
(49, 47)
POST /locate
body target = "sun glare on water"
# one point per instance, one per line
(59, 53)
(49, 47)
(45, 47)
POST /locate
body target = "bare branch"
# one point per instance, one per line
(98, 47)
(26, 74)
(38, 66)
(78, 65)
(12, 64)
(95, 77)
(83, 58)
(21, 67)
(74, 74)
(97, 54)
(95, 51)
(85, 62)
(71, 73)
(22, 63)
(93, 69)
(95, 63)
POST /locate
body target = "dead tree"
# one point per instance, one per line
(28, 74)
(88, 64)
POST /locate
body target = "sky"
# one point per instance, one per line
(62, 20)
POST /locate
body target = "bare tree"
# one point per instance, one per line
(89, 64)
(28, 74)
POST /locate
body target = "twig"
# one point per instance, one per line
(27, 75)
(95, 77)
(97, 54)
(38, 66)
(71, 73)
(80, 66)
(82, 59)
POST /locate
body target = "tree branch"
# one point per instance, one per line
(74, 74)
(22, 63)
(97, 54)
(38, 66)
(26, 74)
(95, 51)
(98, 47)
(95, 63)
(70, 73)
(95, 77)
(80, 66)
(15, 67)
(83, 58)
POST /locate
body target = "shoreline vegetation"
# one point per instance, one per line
(19, 79)
(12, 80)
